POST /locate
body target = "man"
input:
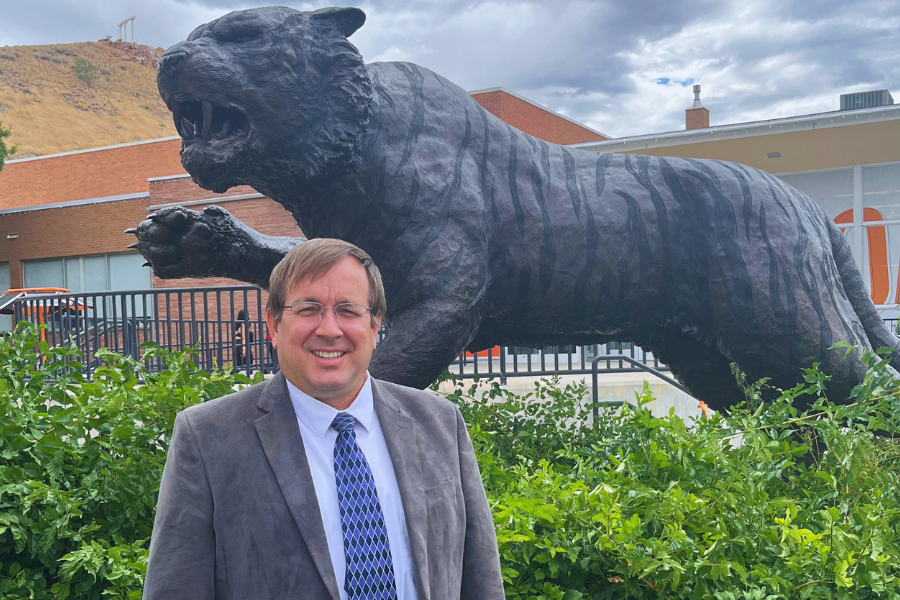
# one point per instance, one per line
(323, 482)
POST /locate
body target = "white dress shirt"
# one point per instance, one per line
(319, 437)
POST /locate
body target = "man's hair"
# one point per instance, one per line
(312, 259)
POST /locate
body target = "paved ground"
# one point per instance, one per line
(619, 387)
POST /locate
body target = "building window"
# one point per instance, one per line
(45, 274)
(832, 190)
(101, 273)
(90, 274)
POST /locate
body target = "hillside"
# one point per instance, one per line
(50, 108)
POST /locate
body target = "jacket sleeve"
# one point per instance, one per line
(182, 548)
(481, 577)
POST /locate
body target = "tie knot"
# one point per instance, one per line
(343, 423)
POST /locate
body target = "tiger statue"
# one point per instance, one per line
(488, 236)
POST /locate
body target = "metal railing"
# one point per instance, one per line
(207, 318)
(595, 395)
(174, 318)
(518, 361)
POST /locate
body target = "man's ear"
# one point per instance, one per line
(376, 328)
(273, 327)
(346, 20)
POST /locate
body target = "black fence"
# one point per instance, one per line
(227, 326)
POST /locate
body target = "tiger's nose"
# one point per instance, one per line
(172, 63)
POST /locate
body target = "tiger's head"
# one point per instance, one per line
(268, 97)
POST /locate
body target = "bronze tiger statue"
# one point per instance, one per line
(486, 235)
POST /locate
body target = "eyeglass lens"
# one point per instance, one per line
(344, 312)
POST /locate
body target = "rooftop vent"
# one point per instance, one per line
(866, 100)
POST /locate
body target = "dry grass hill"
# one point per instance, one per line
(73, 96)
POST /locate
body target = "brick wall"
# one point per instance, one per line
(69, 231)
(182, 189)
(534, 120)
(98, 228)
(696, 118)
(493, 103)
(92, 174)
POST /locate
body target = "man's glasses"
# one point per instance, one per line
(348, 313)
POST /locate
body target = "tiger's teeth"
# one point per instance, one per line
(178, 115)
(207, 107)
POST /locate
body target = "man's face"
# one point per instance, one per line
(301, 343)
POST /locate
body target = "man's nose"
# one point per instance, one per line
(328, 325)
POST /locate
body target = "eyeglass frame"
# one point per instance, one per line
(289, 308)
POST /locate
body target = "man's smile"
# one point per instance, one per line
(324, 354)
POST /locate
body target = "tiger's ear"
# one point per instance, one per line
(346, 20)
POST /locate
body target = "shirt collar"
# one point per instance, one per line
(318, 416)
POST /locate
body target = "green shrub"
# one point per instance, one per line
(80, 464)
(766, 503)
(762, 504)
(85, 71)
(5, 151)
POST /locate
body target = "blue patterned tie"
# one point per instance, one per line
(370, 571)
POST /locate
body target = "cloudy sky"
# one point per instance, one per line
(622, 67)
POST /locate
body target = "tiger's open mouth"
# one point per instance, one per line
(203, 121)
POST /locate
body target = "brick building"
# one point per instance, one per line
(534, 119)
(62, 216)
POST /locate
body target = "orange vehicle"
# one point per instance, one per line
(39, 305)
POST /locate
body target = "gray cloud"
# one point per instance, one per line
(616, 66)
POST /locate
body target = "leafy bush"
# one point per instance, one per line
(85, 71)
(80, 464)
(766, 503)
(5, 150)
(762, 504)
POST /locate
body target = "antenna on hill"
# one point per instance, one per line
(122, 33)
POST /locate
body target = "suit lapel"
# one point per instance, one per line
(401, 437)
(281, 440)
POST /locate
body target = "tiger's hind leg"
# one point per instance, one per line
(703, 370)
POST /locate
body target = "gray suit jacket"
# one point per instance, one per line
(238, 516)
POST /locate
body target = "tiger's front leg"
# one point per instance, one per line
(179, 243)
